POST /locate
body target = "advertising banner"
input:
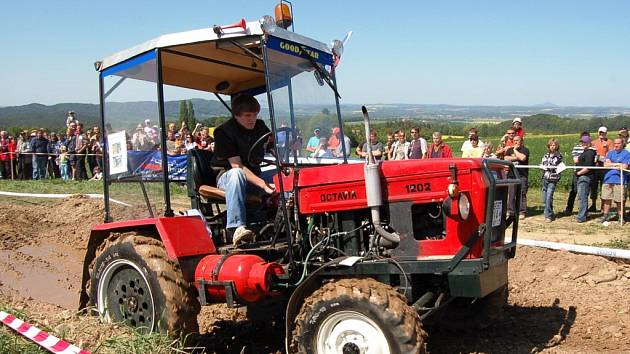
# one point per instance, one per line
(117, 152)
(148, 165)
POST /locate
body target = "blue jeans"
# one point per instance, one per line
(234, 183)
(583, 185)
(64, 168)
(547, 194)
(39, 166)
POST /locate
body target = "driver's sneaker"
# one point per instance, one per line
(242, 235)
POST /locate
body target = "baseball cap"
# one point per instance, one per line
(602, 129)
(585, 139)
(517, 119)
(316, 130)
(147, 121)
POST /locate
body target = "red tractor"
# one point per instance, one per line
(353, 255)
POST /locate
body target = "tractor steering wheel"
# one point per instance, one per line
(267, 162)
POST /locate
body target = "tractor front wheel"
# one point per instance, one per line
(132, 280)
(359, 316)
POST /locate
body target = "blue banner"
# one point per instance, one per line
(148, 165)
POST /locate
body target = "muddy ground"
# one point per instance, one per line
(559, 302)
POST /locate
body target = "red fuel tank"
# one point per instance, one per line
(250, 274)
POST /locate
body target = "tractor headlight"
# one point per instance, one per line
(463, 206)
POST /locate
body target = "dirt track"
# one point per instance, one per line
(559, 302)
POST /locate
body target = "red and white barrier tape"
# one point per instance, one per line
(41, 338)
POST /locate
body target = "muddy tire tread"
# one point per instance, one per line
(403, 320)
(181, 304)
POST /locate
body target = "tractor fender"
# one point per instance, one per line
(305, 289)
(183, 237)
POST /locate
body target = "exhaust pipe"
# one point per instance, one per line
(373, 185)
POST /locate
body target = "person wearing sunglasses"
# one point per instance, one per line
(519, 155)
(468, 144)
(507, 141)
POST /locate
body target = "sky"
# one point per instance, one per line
(423, 52)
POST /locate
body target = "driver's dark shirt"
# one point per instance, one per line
(232, 139)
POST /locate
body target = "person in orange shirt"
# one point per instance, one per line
(603, 145)
(507, 141)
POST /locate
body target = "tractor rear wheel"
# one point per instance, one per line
(359, 316)
(132, 280)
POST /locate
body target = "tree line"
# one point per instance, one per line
(534, 124)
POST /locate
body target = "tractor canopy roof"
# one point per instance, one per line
(228, 61)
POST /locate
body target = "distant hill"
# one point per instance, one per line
(54, 116)
(128, 113)
(39, 115)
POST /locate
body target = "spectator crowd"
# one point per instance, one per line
(602, 154)
(40, 154)
(178, 141)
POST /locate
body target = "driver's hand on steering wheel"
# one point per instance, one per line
(270, 189)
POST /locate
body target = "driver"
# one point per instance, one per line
(236, 173)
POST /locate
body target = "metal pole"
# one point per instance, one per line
(343, 135)
(294, 129)
(101, 90)
(223, 101)
(160, 92)
(283, 202)
(11, 157)
(623, 194)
